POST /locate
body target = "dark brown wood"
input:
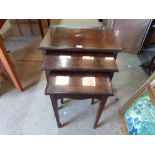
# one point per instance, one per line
(86, 52)
(77, 38)
(100, 110)
(48, 22)
(79, 83)
(2, 21)
(78, 62)
(41, 28)
(77, 90)
(55, 108)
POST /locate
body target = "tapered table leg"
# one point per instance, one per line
(100, 110)
(9, 66)
(47, 73)
(55, 108)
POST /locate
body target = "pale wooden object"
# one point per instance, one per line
(4, 57)
(145, 87)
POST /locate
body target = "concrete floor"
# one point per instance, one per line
(31, 112)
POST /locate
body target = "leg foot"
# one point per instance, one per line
(55, 108)
(100, 110)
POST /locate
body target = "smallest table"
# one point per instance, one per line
(78, 86)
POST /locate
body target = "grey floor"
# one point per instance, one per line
(31, 112)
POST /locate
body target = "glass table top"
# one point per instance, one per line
(79, 38)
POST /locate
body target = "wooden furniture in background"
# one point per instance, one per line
(41, 26)
(79, 63)
(4, 57)
(29, 26)
(130, 33)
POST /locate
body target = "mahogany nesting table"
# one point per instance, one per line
(79, 63)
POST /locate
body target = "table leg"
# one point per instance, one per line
(55, 108)
(100, 110)
(111, 76)
(47, 74)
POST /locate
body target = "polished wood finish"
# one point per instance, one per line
(79, 62)
(77, 38)
(100, 110)
(79, 86)
(107, 53)
(55, 109)
(79, 83)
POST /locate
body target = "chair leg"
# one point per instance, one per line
(55, 108)
(100, 110)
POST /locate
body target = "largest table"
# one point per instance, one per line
(79, 63)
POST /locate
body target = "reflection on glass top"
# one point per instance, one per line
(65, 56)
(88, 57)
(64, 60)
(62, 80)
(109, 58)
(79, 46)
(88, 81)
(61, 37)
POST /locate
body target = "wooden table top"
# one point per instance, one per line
(78, 62)
(79, 38)
(75, 83)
